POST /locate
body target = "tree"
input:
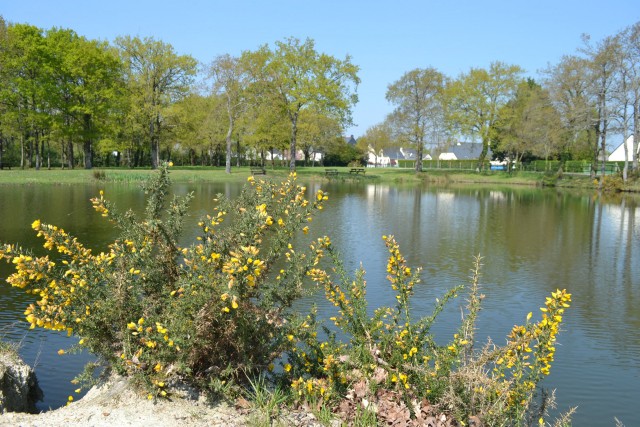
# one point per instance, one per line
(299, 77)
(87, 76)
(630, 91)
(376, 139)
(603, 66)
(315, 132)
(419, 111)
(528, 124)
(568, 86)
(26, 90)
(156, 77)
(266, 129)
(230, 79)
(188, 120)
(475, 98)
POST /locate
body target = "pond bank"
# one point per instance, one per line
(383, 175)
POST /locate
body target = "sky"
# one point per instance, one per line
(385, 39)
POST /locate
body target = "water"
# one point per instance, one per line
(532, 242)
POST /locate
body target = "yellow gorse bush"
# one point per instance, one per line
(217, 311)
(211, 312)
(393, 352)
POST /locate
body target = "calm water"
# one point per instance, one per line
(532, 242)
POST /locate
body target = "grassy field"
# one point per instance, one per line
(217, 174)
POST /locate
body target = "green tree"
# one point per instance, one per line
(230, 79)
(315, 132)
(418, 112)
(375, 140)
(26, 90)
(156, 77)
(299, 77)
(529, 124)
(87, 76)
(475, 98)
(266, 130)
(188, 120)
(567, 84)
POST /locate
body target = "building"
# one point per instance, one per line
(464, 151)
(618, 154)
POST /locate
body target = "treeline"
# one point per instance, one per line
(574, 113)
(69, 101)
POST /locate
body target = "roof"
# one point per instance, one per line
(464, 151)
(350, 140)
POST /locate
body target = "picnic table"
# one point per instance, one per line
(258, 170)
(331, 172)
(357, 171)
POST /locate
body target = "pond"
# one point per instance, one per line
(532, 241)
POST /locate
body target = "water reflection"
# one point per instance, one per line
(532, 242)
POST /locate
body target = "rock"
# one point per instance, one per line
(19, 390)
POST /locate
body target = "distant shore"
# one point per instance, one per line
(240, 174)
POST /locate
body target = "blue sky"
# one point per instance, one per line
(386, 39)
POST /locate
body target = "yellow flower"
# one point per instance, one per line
(35, 224)
(61, 352)
(287, 367)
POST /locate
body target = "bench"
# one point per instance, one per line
(257, 170)
(357, 170)
(331, 172)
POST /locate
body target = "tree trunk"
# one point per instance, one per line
(238, 152)
(86, 150)
(483, 153)
(419, 158)
(154, 132)
(292, 147)
(636, 133)
(37, 145)
(228, 140)
(21, 151)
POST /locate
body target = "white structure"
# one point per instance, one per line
(447, 156)
(618, 153)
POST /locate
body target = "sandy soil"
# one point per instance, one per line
(115, 404)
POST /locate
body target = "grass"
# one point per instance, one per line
(217, 174)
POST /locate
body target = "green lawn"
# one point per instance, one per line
(217, 174)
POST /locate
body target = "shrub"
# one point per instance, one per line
(610, 184)
(213, 312)
(216, 313)
(391, 363)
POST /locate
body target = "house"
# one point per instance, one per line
(390, 156)
(618, 154)
(464, 151)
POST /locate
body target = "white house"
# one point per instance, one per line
(618, 154)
